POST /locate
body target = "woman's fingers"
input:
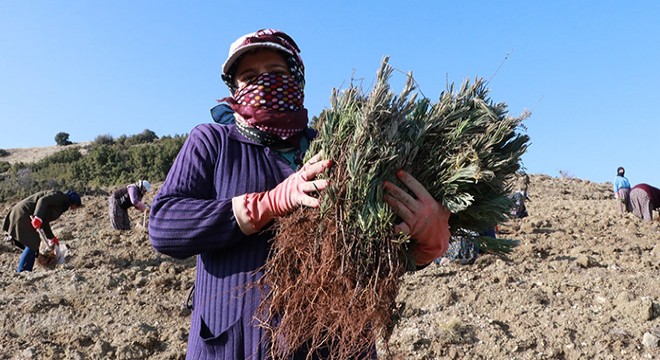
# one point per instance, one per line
(310, 170)
(313, 186)
(314, 159)
(415, 186)
(309, 201)
(400, 195)
(402, 228)
(399, 208)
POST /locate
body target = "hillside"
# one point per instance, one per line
(583, 284)
(34, 154)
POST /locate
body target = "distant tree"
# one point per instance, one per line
(145, 137)
(4, 153)
(122, 139)
(104, 139)
(62, 139)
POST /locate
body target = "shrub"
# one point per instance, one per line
(65, 156)
(122, 139)
(145, 137)
(104, 165)
(4, 153)
(4, 166)
(104, 139)
(62, 139)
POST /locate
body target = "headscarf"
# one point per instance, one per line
(270, 107)
(264, 38)
(74, 198)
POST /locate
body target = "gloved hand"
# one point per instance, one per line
(36, 222)
(53, 242)
(140, 206)
(253, 211)
(424, 219)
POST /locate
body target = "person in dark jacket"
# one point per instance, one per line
(228, 183)
(35, 213)
(519, 209)
(644, 198)
(125, 198)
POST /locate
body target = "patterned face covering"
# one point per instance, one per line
(272, 104)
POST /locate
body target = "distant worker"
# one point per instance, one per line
(519, 209)
(622, 190)
(644, 199)
(33, 213)
(123, 199)
(464, 247)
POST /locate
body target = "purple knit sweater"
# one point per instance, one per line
(192, 215)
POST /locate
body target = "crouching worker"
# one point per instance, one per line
(644, 198)
(33, 214)
(519, 209)
(123, 199)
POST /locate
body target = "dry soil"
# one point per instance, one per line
(583, 284)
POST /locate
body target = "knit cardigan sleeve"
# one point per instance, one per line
(187, 217)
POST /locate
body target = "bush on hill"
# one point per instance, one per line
(62, 139)
(104, 166)
(104, 139)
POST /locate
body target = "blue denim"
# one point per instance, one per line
(26, 263)
(223, 114)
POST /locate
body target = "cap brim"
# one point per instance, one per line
(230, 60)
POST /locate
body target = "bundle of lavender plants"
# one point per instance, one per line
(333, 274)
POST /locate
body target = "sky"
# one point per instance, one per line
(588, 71)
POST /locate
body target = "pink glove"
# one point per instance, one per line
(253, 211)
(36, 222)
(424, 219)
(140, 206)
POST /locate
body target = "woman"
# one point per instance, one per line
(123, 199)
(33, 214)
(644, 199)
(622, 190)
(230, 181)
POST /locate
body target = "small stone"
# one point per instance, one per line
(29, 353)
(650, 341)
(586, 261)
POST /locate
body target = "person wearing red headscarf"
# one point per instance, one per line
(231, 179)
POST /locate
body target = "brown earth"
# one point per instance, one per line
(583, 284)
